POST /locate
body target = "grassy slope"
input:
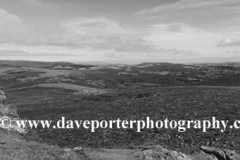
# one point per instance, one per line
(13, 146)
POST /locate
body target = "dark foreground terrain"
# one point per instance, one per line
(158, 91)
(174, 103)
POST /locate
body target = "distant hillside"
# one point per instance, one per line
(94, 63)
(159, 66)
(229, 64)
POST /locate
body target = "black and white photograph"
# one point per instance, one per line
(119, 79)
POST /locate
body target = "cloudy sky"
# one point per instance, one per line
(120, 31)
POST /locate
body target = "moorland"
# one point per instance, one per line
(51, 90)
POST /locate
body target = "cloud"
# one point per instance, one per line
(230, 42)
(10, 26)
(183, 52)
(25, 53)
(94, 32)
(102, 33)
(8, 19)
(179, 34)
(181, 5)
(213, 15)
(110, 55)
(97, 33)
(232, 52)
(181, 39)
(37, 4)
(94, 26)
(175, 28)
(31, 2)
(14, 53)
(174, 51)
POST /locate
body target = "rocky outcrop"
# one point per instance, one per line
(218, 153)
(221, 154)
(205, 153)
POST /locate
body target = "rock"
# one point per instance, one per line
(202, 156)
(218, 153)
(74, 151)
(231, 155)
(160, 153)
(2, 143)
(9, 110)
(205, 153)
(9, 113)
(3, 98)
(77, 149)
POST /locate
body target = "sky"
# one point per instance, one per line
(120, 31)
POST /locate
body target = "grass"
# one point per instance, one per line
(157, 102)
(13, 146)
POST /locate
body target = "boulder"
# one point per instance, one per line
(218, 153)
(3, 97)
(160, 153)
